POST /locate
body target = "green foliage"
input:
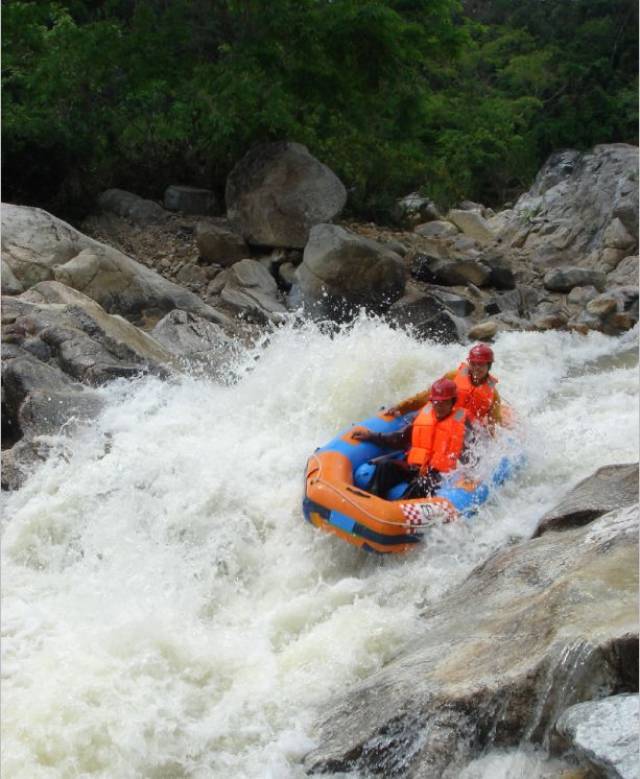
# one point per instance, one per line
(392, 94)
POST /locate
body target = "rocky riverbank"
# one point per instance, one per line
(143, 288)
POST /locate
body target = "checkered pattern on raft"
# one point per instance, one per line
(418, 514)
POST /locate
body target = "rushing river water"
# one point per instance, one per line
(168, 613)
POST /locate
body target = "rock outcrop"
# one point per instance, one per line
(57, 345)
(537, 628)
(39, 247)
(582, 210)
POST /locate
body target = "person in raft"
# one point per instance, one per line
(437, 440)
(476, 387)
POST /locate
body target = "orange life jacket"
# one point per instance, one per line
(437, 444)
(476, 400)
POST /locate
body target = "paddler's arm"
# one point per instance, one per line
(468, 455)
(398, 440)
(494, 417)
(415, 402)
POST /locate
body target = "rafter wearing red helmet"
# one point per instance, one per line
(435, 442)
(477, 392)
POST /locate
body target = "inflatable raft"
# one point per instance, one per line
(336, 498)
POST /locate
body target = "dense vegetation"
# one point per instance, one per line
(459, 100)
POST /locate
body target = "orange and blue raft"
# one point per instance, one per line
(336, 497)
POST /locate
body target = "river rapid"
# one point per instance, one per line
(166, 610)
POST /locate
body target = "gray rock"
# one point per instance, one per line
(24, 375)
(450, 273)
(472, 225)
(565, 279)
(278, 192)
(253, 291)
(287, 274)
(538, 627)
(616, 236)
(415, 208)
(614, 486)
(582, 295)
(87, 343)
(46, 412)
(396, 246)
(470, 205)
(626, 273)
(464, 248)
(20, 461)
(132, 207)
(581, 208)
(436, 229)
(342, 268)
(39, 399)
(193, 275)
(196, 342)
(502, 276)
(39, 247)
(189, 200)
(458, 305)
(485, 331)
(604, 734)
(602, 305)
(426, 316)
(220, 245)
(10, 284)
(216, 286)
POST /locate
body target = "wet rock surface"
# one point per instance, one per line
(610, 487)
(604, 735)
(537, 628)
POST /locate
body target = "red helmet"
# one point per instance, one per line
(480, 353)
(444, 389)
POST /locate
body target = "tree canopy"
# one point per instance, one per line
(394, 95)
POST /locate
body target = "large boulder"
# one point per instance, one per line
(343, 270)
(539, 627)
(278, 192)
(39, 247)
(582, 210)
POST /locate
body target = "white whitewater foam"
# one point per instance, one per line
(168, 613)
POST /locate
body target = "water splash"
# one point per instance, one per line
(166, 610)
